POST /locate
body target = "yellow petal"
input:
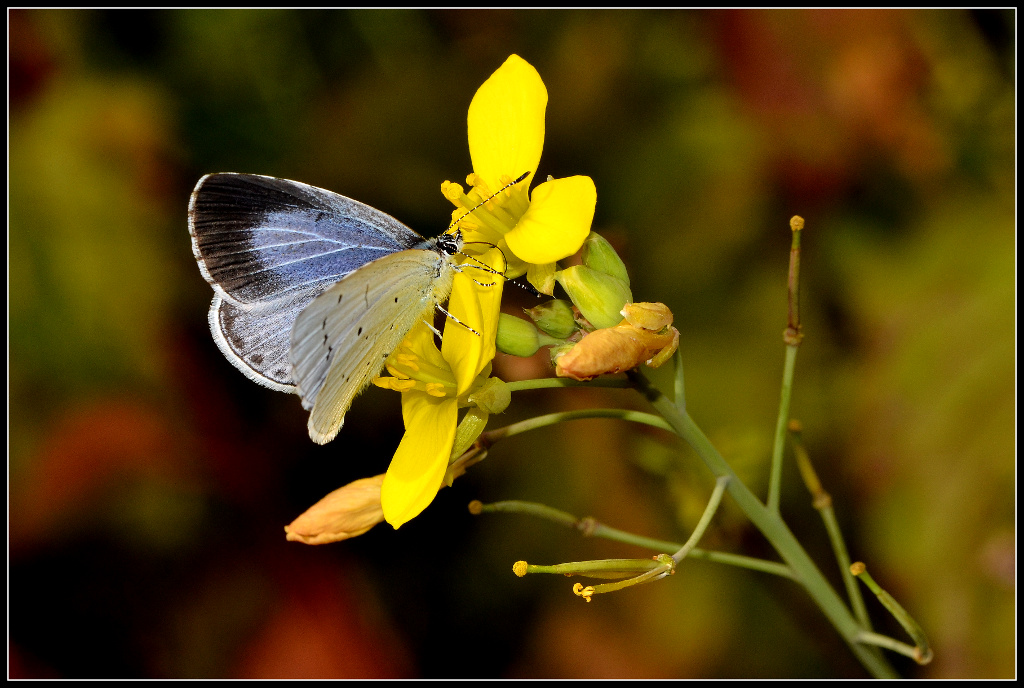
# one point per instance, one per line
(429, 362)
(506, 123)
(476, 302)
(558, 220)
(514, 266)
(542, 277)
(416, 471)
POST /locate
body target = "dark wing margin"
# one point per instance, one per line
(269, 247)
(258, 238)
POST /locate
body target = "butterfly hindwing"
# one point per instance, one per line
(256, 338)
(341, 340)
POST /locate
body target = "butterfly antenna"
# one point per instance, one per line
(528, 287)
(512, 183)
(487, 268)
(484, 266)
(449, 315)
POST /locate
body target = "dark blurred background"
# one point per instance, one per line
(149, 481)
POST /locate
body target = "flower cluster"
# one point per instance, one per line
(509, 230)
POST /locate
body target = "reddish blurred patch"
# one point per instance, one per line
(323, 629)
(29, 60)
(834, 87)
(89, 448)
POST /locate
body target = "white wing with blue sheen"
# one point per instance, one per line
(269, 247)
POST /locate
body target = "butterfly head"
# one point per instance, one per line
(450, 242)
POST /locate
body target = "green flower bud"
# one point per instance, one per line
(554, 317)
(599, 255)
(516, 336)
(599, 296)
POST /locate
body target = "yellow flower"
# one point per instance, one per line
(430, 406)
(514, 233)
(517, 232)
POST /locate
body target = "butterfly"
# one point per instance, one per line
(312, 290)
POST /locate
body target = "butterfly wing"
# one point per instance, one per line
(341, 340)
(269, 247)
(256, 337)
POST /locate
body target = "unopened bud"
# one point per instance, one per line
(554, 317)
(623, 347)
(516, 336)
(648, 316)
(345, 513)
(597, 295)
(599, 255)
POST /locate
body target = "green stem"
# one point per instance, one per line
(923, 652)
(554, 382)
(775, 478)
(522, 426)
(680, 387)
(889, 643)
(822, 501)
(792, 336)
(705, 519)
(592, 528)
(772, 527)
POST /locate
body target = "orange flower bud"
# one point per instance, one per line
(345, 513)
(645, 336)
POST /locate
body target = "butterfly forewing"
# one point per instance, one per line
(269, 247)
(341, 340)
(257, 238)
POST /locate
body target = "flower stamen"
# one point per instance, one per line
(409, 360)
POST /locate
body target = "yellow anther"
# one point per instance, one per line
(586, 593)
(519, 568)
(478, 184)
(402, 385)
(384, 382)
(506, 184)
(452, 191)
(409, 360)
(436, 389)
(469, 224)
(395, 372)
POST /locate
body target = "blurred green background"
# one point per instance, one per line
(149, 480)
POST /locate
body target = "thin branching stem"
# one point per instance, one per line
(822, 501)
(522, 426)
(593, 528)
(772, 527)
(705, 519)
(792, 336)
